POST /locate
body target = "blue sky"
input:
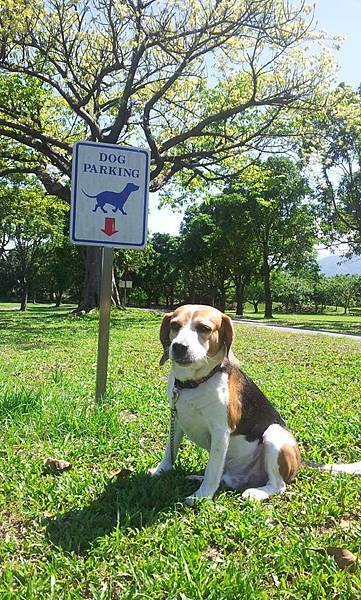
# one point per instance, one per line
(336, 17)
(343, 17)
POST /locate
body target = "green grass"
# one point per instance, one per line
(82, 534)
(329, 320)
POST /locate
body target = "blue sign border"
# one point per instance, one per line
(74, 197)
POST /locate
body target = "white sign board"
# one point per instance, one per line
(109, 197)
(125, 284)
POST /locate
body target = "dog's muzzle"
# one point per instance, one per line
(179, 352)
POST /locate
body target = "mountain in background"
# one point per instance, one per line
(336, 265)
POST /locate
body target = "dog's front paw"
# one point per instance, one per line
(199, 494)
(159, 470)
(255, 494)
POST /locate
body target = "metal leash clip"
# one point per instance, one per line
(173, 415)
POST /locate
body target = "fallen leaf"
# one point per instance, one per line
(343, 558)
(214, 555)
(55, 464)
(124, 472)
(125, 416)
(48, 514)
(347, 522)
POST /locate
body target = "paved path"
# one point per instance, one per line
(349, 336)
(297, 329)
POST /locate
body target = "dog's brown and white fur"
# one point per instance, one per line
(249, 445)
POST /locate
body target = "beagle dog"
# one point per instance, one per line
(221, 409)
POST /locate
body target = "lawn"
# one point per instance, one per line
(329, 320)
(84, 533)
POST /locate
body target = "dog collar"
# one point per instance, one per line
(193, 383)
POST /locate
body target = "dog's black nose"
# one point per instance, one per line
(179, 350)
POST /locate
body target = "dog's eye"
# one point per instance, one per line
(203, 328)
(175, 326)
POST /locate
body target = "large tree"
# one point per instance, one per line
(335, 143)
(205, 264)
(160, 275)
(219, 245)
(28, 218)
(194, 81)
(282, 221)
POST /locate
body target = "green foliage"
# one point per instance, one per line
(346, 289)
(336, 146)
(276, 196)
(204, 85)
(29, 218)
(293, 292)
(219, 248)
(159, 274)
(28, 214)
(255, 293)
(61, 270)
(281, 217)
(297, 292)
(262, 224)
(117, 71)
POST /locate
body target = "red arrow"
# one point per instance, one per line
(109, 226)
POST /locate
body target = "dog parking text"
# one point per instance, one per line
(115, 164)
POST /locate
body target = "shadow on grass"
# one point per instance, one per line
(23, 329)
(126, 504)
(347, 327)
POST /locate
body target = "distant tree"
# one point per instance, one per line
(28, 218)
(126, 266)
(159, 274)
(203, 255)
(323, 293)
(61, 269)
(255, 293)
(293, 292)
(167, 248)
(217, 244)
(274, 195)
(346, 288)
(335, 143)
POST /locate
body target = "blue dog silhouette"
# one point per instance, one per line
(116, 199)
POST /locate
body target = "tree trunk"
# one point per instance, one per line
(91, 290)
(58, 298)
(267, 291)
(222, 303)
(24, 298)
(240, 298)
(221, 300)
(115, 292)
(255, 306)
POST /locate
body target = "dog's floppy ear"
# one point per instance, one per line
(164, 337)
(227, 332)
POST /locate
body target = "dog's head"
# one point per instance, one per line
(194, 333)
